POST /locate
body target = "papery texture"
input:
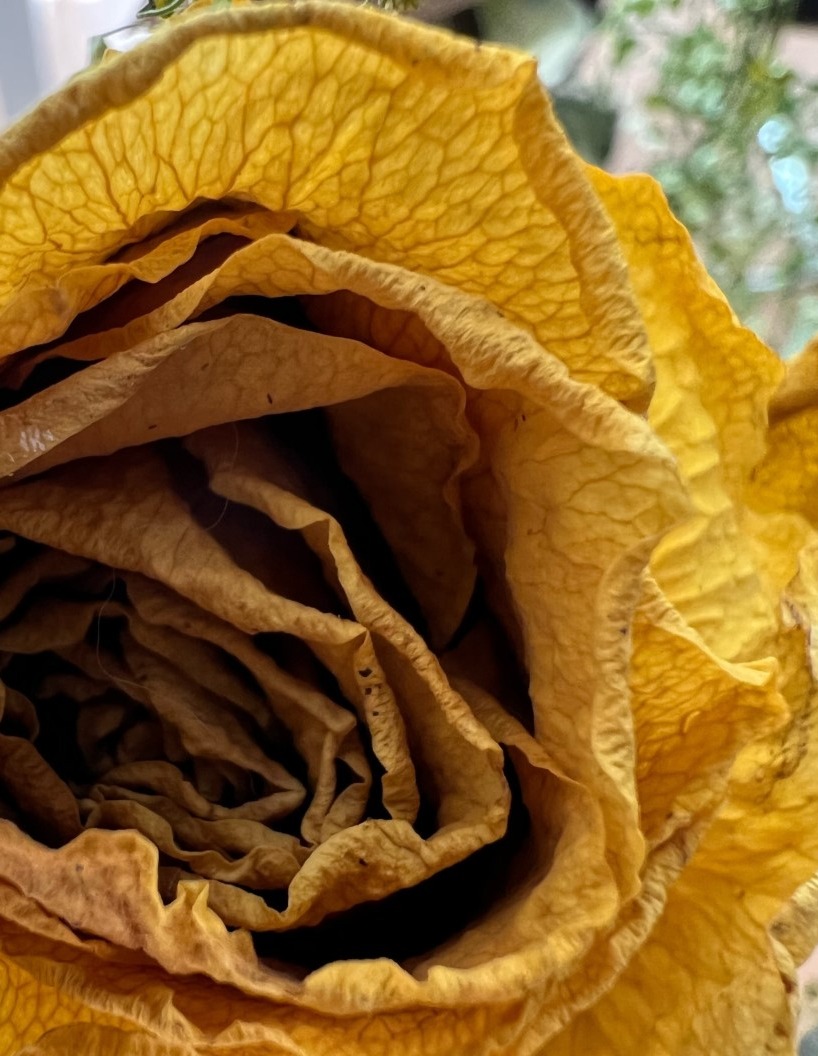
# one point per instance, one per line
(405, 605)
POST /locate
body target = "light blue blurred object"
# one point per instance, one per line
(791, 177)
(808, 1045)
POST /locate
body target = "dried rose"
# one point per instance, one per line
(405, 611)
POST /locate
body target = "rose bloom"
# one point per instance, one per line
(407, 573)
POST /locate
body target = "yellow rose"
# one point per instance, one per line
(405, 610)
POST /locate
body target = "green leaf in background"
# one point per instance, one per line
(161, 8)
(589, 125)
(731, 134)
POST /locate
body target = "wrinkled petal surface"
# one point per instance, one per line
(408, 573)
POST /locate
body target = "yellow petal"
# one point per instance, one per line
(787, 477)
(30, 1008)
(725, 570)
(706, 972)
(105, 1041)
(404, 146)
(692, 713)
(714, 380)
(179, 254)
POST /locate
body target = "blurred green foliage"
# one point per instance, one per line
(161, 8)
(734, 137)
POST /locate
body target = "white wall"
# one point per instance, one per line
(44, 42)
(19, 85)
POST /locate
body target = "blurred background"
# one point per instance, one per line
(717, 98)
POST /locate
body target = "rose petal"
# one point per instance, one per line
(379, 118)
(179, 255)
